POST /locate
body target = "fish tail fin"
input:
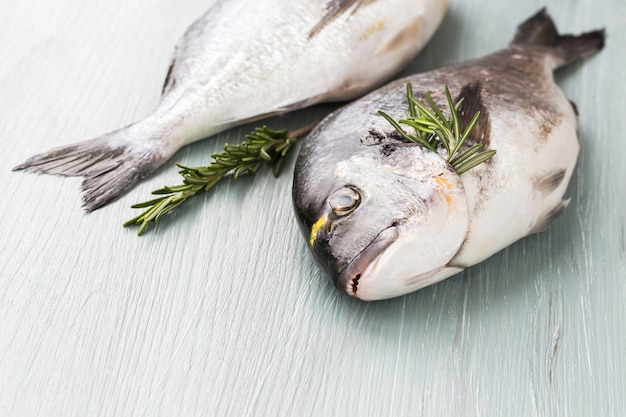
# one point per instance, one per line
(540, 30)
(110, 164)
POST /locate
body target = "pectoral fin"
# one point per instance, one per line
(473, 103)
(550, 181)
(548, 218)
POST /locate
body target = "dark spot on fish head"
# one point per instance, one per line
(387, 149)
(375, 137)
(394, 135)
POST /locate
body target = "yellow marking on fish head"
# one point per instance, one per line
(446, 187)
(371, 30)
(315, 229)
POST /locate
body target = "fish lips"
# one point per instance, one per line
(347, 279)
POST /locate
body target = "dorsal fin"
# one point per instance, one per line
(334, 9)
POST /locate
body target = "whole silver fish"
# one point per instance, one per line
(385, 217)
(244, 60)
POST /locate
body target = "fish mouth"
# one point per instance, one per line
(349, 277)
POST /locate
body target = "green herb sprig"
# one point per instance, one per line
(432, 129)
(435, 131)
(263, 145)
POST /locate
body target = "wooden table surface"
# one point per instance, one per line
(220, 311)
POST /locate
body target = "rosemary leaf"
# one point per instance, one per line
(413, 112)
(475, 161)
(396, 126)
(434, 130)
(459, 159)
(263, 145)
(437, 110)
(148, 203)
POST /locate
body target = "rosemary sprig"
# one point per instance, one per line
(263, 145)
(431, 129)
(436, 132)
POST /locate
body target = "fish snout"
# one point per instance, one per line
(353, 277)
(345, 262)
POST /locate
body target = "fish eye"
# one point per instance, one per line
(344, 201)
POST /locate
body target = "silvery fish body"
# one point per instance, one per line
(244, 60)
(386, 217)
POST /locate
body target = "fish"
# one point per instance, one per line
(385, 217)
(243, 61)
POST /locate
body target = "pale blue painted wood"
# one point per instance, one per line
(222, 311)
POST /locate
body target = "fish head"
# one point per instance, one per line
(385, 226)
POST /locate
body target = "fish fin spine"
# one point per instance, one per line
(110, 165)
(540, 30)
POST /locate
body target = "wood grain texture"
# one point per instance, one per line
(222, 311)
